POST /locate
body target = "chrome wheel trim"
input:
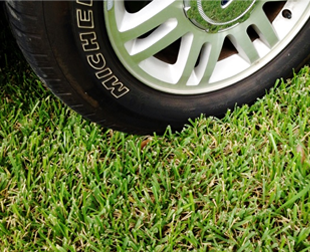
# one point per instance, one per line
(168, 22)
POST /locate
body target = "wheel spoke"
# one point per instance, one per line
(134, 25)
(244, 46)
(211, 57)
(262, 2)
(141, 49)
(187, 59)
(264, 28)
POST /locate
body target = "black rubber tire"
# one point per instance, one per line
(48, 35)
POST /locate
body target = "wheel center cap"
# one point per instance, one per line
(214, 16)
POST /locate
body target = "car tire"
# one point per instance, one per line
(136, 66)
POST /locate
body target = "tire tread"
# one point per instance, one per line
(33, 43)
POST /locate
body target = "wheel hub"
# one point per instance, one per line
(214, 16)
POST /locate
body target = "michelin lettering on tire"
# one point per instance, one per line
(90, 45)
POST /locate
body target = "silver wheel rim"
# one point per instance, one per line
(141, 39)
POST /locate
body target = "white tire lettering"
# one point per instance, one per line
(85, 18)
(104, 73)
(85, 2)
(90, 45)
(117, 88)
(89, 41)
(96, 61)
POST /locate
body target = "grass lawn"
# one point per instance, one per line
(241, 183)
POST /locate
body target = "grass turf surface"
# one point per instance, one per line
(236, 184)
